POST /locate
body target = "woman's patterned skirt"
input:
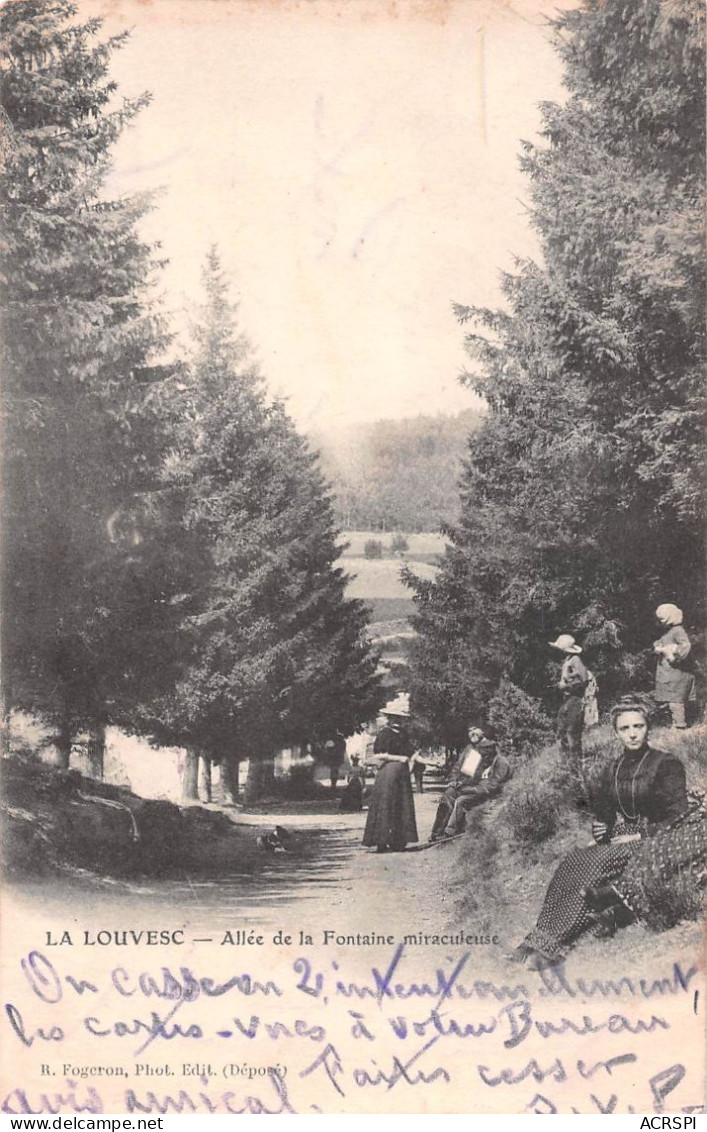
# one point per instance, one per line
(662, 862)
(565, 916)
(636, 869)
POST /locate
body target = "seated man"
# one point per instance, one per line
(478, 776)
(494, 770)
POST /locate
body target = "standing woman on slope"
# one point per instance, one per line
(674, 682)
(579, 703)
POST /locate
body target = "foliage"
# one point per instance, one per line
(393, 474)
(669, 902)
(399, 544)
(275, 654)
(300, 785)
(533, 816)
(521, 725)
(86, 584)
(373, 548)
(580, 510)
(448, 685)
(539, 796)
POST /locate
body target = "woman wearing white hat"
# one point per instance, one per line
(390, 824)
(573, 682)
(674, 682)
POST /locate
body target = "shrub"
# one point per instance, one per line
(399, 544)
(373, 548)
(539, 794)
(298, 783)
(669, 902)
(519, 720)
(533, 815)
(601, 747)
(690, 746)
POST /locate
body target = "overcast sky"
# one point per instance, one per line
(357, 165)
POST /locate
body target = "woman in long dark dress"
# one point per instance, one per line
(390, 824)
(645, 834)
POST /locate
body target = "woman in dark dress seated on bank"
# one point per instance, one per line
(646, 834)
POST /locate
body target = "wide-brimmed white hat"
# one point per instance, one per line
(669, 614)
(565, 643)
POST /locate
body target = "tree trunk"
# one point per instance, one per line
(97, 751)
(190, 779)
(5, 672)
(6, 709)
(229, 779)
(206, 777)
(64, 742)
(260, 780)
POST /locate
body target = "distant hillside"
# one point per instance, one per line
(397, 475)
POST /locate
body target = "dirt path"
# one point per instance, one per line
(328, 881)
(351, 889)
(398, 892)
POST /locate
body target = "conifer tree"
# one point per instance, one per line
(84, 587)
(580, 507)
(278, 655)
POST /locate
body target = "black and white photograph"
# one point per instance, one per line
(352, 605)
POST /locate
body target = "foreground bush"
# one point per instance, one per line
(671, 902)
(540, 792)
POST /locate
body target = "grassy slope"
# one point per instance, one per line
(377, 581)
(421, 547)
(385, 610)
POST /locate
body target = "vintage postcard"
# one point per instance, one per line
(370, 782)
